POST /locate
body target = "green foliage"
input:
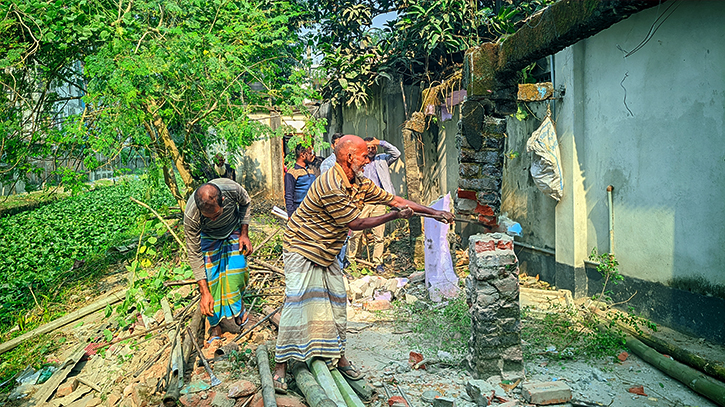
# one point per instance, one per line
(42, 249)
(608, 267)
(562, 333)
(147, 274)
(423, 43)
(437, 327)
(241, 359)
(567, 333)
(312, 135)
(163, 79)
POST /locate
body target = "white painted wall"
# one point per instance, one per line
(665, 159)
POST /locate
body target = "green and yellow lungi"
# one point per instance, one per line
(227, 275)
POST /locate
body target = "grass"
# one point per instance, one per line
(563, 333)
(437, 327)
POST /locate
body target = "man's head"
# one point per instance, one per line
(352, 154)
(219, 159)
(208, 199)
(307, 154)
(372, 148)
(335, 137)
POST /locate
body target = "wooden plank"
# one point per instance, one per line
(65, 320)
(44, 393)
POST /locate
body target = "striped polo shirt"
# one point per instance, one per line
(318, 228)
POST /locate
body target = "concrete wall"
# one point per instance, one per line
(663, 152)
(383, 117)
(259, 166)
(522, 201)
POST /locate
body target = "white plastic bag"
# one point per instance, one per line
(546, 165)
(440, 278)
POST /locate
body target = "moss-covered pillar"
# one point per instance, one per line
(481, 136)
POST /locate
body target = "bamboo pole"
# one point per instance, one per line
(688, 376)
(348, 394)
(324, 379)
(314, 394)
(265, 375)
(713, 368)
(60, 322)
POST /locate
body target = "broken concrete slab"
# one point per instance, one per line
(479, 391)
(545, 393)
(444, 402)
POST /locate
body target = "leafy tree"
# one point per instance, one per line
(423, 43)
(166, 78)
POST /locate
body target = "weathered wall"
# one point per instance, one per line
(522, 201)
(383, 118)
(664, 158)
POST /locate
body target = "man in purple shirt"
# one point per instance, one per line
(378, 171)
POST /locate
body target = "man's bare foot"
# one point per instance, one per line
(347, 369)
(279, 381)
(215, 333)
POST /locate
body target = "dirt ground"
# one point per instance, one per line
(377, 347)
(383, 356)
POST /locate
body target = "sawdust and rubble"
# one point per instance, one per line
(132, 373)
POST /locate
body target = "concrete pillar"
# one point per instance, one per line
(493, 296)
(571, 211)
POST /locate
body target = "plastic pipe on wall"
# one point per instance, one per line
(610, 189)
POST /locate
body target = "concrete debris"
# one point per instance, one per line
(430, 395)
(480, 391)
(546, 393)
(444, 402)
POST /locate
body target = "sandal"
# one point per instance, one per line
(242, 319)
(350, 372)
(213, 338)
(280, 385)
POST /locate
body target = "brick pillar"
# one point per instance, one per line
(481, 135)
(481, 163)
(493, 296)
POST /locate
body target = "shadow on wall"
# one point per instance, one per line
(249, 175)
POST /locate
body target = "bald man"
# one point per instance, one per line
(314, 317)
(216, 224)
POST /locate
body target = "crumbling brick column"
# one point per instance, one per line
(493, 297)
(481, 135)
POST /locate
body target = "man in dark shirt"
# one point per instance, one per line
(221, 169)
(299, 178)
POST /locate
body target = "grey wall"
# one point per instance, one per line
(522, 201)
(663, 151)
(383, 117)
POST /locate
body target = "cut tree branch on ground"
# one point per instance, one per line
(268, 266)
(183, 247)
(267, 239)
(268, 316)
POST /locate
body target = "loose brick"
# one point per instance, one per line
(376, 305)
(66, 388)
(546, 393)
